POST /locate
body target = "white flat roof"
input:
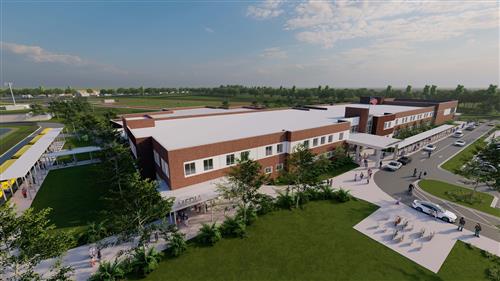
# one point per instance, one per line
(22, 165)
(422, 136)
(189, 132)
(373, 141)
(199, 111)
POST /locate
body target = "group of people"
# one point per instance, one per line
(369, 174)
(95, 255)
(461, 224)
(182, 217)
(420, 174)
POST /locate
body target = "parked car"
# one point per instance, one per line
(470, 127)
(430, 147)
(459, 143)
(392, 166)
(434, 209)
(404, 160)
(458, 134)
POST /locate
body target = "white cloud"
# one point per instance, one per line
(266, 10)
(325, 23)
(39, 55)
(208, 29)
(274, 53)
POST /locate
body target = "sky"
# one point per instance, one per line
(105, 43)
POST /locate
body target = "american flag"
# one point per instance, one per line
(373, 101)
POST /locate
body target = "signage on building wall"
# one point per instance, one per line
(188, 201)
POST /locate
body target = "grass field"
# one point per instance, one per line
(118, 111)
(73, 194)
(442, 189)
(454, 164)
(317, 243)
(8, 112)
(158, 102)
(17, 134)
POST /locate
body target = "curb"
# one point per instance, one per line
(415, 183)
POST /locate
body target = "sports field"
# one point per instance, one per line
(10, 135)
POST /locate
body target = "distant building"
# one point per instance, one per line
(85, 93)
(108, 101)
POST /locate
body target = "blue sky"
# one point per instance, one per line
(208, 43)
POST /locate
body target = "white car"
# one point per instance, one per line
(430, 147)
(392, 166)
(459, 143)
(434, 209)
(458, 134)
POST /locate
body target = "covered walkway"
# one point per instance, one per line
(413, 143)
(378, 143)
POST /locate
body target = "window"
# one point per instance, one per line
(330, 138)
(268, 170)
(315, 141)
(279, 148)
(306, 143)
(157, 157)
(341, 136)
(323, 140)
(189, 168)
(230, 159)
(164, 168)
(279, 166)
(208, 164)
(269, 150)
(244, 155)
(397, 121)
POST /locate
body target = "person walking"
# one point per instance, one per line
(361, 176)
(429, 154)
(355, 176)
(425, 174)
(370, 173)
(461, 224)
(415, 172)
(477, 229)
(99, 255)
(380, 164)
(367, 180)
(420, 175)
(366, 163)
(410, 189)
(24, 192)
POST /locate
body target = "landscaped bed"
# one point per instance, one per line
(456, 162)
(460, 195)
(316, 243)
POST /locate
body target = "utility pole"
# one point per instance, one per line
(11, 93)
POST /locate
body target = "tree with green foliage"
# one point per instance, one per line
(145, 260)
(109, 271)
(408, 91)
(209, 235)
(242, 184)
(37, 109)
(474, 171)
(27, 240)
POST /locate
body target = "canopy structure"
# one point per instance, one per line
(23, 165)
(373, 141)
(423, 136)
(74, 151)
(192, 195)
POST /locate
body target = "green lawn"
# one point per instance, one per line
(14, 136)
(73, 142)
(19, 111)
(118, 111)
(317, 243)
(158, 102)
(454, 164)
(73, 194)
(440, 189)
(339, 171)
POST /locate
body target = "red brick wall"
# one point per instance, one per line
(378, 124)
(439, 117)
(362, 113)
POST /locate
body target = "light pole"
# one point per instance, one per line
(11, 93)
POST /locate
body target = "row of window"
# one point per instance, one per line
(268, 170)
(411, 118)
(322, 140)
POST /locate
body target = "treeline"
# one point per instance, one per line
(485, 100)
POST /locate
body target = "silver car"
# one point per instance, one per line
(434, 210)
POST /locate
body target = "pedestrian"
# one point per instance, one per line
(410, 188)
(380, 164)
(366, 163)
(420, 175)
(367, 180)
(355, 176)
(429, 154)
(461, 224)
(370, 173)
(99, 255)
(425, 174)
(24, 192)
(361, 176)
(383, 154)
(477, 229)
(156, 236)
(91, 252)
(415, 172)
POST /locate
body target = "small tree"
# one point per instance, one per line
(474, 171)
(109, 271)
(28, 239)
(209, 235)
(242, 185)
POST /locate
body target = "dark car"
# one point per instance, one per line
(404, 160)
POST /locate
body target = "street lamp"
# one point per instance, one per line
(11, 93)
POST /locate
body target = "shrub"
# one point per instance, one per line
(327, 192)
(342, 195)
(209, 235)
(285, 201)
(494, 273)
(176, 245)
(109, 271)
(93, 233)
(145, 261)
(265, 204)
(233, 227)
(251, 215)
